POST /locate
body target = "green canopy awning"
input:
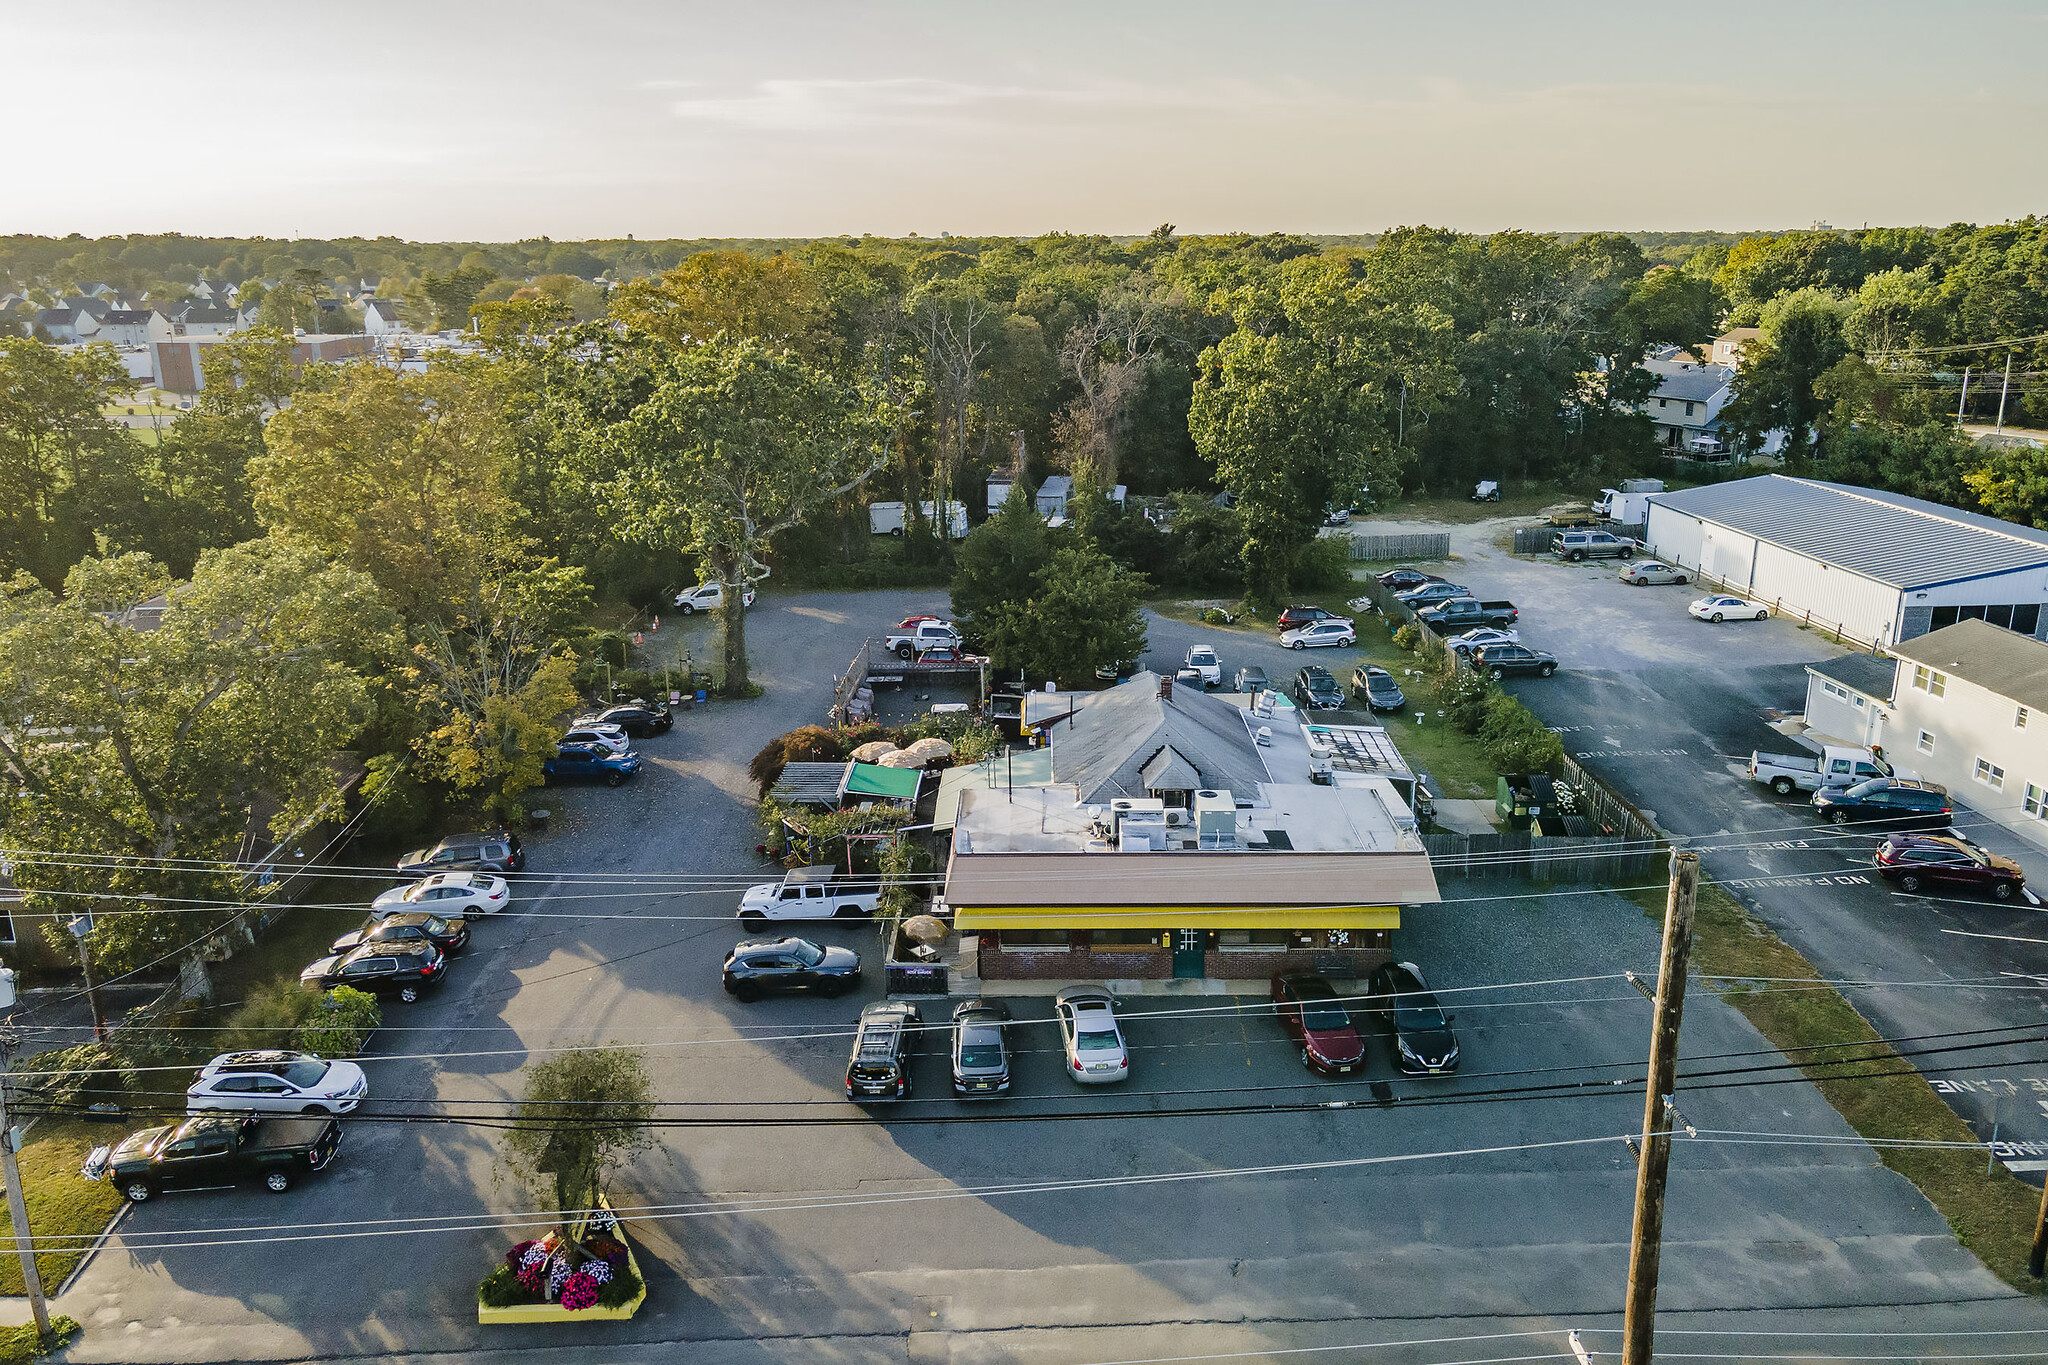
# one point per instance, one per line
(869, 779)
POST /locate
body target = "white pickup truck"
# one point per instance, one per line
(807, 893)
(1836, 767)
(908, 644)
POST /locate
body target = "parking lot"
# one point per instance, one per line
(780, 1220)
(1672, 727)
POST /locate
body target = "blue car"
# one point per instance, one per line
(590, 763)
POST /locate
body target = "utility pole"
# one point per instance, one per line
(80, 928)
(17, 1207)
(1653, 1163)
(2002, 388)
(1964, 400)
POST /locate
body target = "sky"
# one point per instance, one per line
(450, 120)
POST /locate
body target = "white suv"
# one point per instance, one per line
(277, 1083)
(706, 597)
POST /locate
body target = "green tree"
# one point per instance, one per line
(583, 1115)
(736, 443)
(1774, 388)
(123, 742)
(1084, 610)
(999, 560)
(1304, 404)
(453, 291)
(63, 462)
(2012, 483)
(773, 299)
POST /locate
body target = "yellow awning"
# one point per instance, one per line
(1176, 917)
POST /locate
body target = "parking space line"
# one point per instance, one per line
(2003, 938)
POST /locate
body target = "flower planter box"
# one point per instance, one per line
(554, 1312)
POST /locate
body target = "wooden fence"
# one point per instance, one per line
(1436, 545)
(1834, 630)
(1534, 857)
(844, 688)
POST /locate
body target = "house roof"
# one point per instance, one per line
(56, 317)
(1057, 486)
(1688, 380)
(200, 313)
(2013, 665)
(99, 308)
(1115, 734)
(1870, 674)
(127, 317)
(1887, 537)
(809, 784)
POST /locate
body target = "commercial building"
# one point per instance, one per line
(180, 361)
(1182, 835)
(1876, 567)
(1969, 709)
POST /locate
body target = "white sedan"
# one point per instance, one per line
(1334, 632)
(1481, 637)
(705, 597)
(1093, 1043)
(1202, 659)
(1721, 607)
(451, 895)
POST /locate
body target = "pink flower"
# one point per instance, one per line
(579, 1291)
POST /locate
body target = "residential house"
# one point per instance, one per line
(1847, 700)
(206, 320)
(1969, 709)
(180, 367)
(134, 327)
(1165, 842)
(66, 324)
(1727, 347)
(218, 292)
(89, 304)
(381, 317)
(1056, 491)
(1688, 400)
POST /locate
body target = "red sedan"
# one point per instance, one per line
(1309, 1008)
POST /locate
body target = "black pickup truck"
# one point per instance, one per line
(208, 1151)
(1463, 613)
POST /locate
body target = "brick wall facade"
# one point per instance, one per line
(1357, 954)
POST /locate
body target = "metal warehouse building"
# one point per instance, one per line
(1879, 567)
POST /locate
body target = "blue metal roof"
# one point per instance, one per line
(1888, 537)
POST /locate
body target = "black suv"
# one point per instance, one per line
(1886, 801)
(403, 969)
(640, 718)
(981, 1053)
(882, 1048)
(1294, 618)
(497, 850)
(450, 936)
(1316, 690)
(1497, 661)
(762, 966)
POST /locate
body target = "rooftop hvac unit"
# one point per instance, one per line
(1178, 819)
(1131, 841)
(1215, 816)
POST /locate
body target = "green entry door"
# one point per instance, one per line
(1188, 946)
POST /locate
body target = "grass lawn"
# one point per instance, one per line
(302, 934)
(1992, 1214)
(20, 1345)
(1517, 499)
(61, 1202)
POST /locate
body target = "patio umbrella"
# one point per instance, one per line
(899, 758)
(872, 751)
(925, 929)
(928, 750)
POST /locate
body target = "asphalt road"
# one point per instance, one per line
(1668, 710)
(802, 1228)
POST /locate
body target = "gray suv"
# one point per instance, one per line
(496, 850)
(1578, 545)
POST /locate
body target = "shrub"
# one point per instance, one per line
(1515, 741)
(1325, 566)
(1409, 637)
(271, 1017)
(1215, 616)
(341, 1024)
(501, 1289)
(1464, 695)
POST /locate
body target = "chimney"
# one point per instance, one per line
(1166, 687)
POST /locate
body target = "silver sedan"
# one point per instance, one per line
(1093, 1043)
(1651, 571)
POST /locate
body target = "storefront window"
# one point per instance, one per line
(1254, 940)
(1123, 938)
(1041, 939)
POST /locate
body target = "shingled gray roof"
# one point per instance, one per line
(1888, 537)
(1119, 732)
(1688, 379)
(2004, 661)
(1869, 674)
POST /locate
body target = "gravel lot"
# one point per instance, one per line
(1530, 1239)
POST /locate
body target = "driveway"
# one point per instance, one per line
(782, 1223)
(1668, 709)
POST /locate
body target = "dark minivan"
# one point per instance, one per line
(495, 850)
